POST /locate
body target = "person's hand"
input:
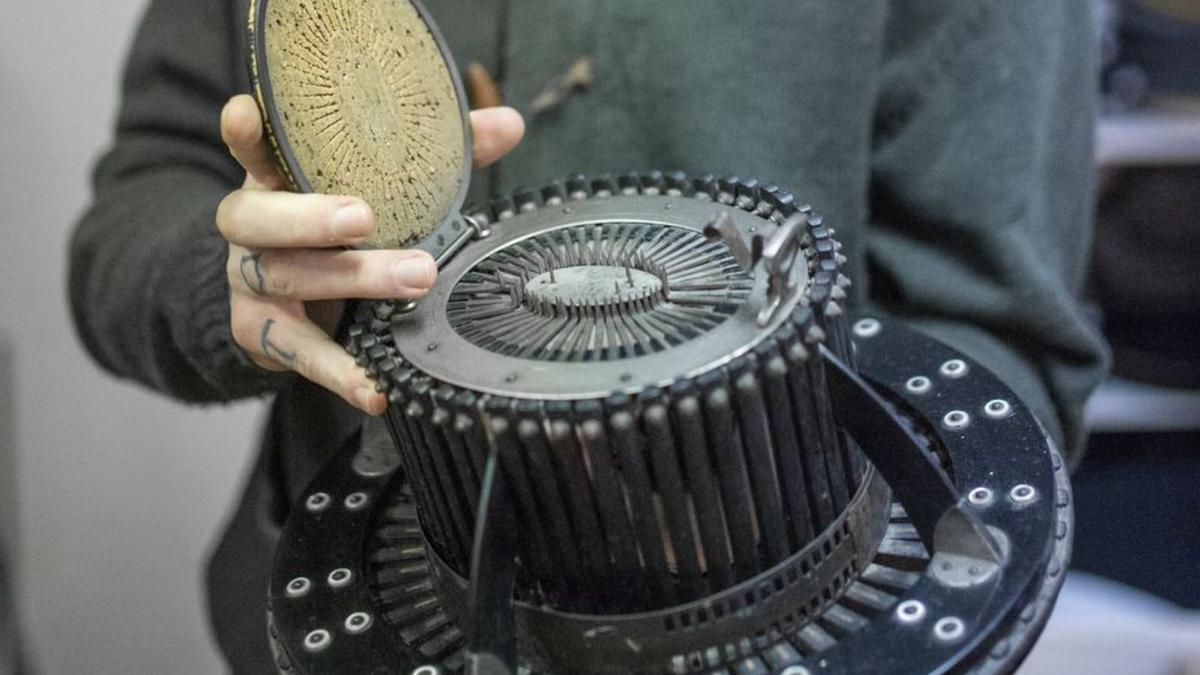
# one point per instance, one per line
(289, 270)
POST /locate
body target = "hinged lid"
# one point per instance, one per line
(361, 97)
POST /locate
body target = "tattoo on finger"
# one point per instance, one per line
(252, 273)
(270, 349)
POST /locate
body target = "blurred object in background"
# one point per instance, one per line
(1101, 627)
(1148, 50)
(1144, 278)
(1136, 499)
(1146, 272)
(1137, 492)
(1149, 82)
(10, 653)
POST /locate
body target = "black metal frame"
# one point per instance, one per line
(985, 625)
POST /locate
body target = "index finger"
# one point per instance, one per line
(242, 131)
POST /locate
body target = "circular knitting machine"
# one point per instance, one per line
(632, 428)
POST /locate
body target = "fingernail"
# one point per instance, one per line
(414, 272)
(365, 397)
(352, 221)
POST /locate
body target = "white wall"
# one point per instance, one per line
(120, 492)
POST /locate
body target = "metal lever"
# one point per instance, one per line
(942, 517)
(778, 253)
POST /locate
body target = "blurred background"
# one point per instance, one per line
(111, 496)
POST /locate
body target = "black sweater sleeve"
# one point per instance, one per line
(147, 264)
(982, 190)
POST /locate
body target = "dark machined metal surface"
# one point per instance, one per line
(1002, 464)
(511, 334)
(597, 572)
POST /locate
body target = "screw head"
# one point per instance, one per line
(953, 369)
(867, 328)
(910, 611)
(340, 578)
(298, 587)
(317, 640)
(980, 496)
(1023, 494)
(997, 408)
(358, 622)
(918, 385)
(956, 420)
(949, 628)
(317, 502)
(355, 501)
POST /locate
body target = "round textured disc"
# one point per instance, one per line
(361, 98)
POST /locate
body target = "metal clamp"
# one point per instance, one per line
(778, 252)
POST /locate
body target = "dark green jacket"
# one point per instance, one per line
(948, 142)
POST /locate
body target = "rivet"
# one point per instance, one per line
(795, 670)
(949, 628)
(910, 611)
(340, 578)
(512, 377)
(298, 587)
(432, 346)
(1023, 494)
(317, 640)
(956, 420)
(919, 384)
(426, 670)
(318, 501)
(997, 408)
(980, 496)
(954, 368)
(355, 500)
(866, 328)
(358, 622)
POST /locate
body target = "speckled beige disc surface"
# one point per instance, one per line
(366, 105)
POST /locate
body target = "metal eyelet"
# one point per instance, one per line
(867, 328)
(956, 420)
(949, 628)
(980, 496)
(318, 502)
(910, 611)
(355, 501)
(317, 640)
(918, 385)
(340, 578)
(298, 587)
(1023, 494)
(358, 622)
(954, 368)
(997, 408)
